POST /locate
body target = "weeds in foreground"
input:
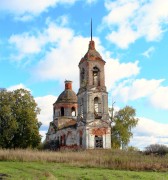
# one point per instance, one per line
(112, 159)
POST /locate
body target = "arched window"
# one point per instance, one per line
(97, 108)
(73, 112)
(96, 104)
(96, 76)
(62, 111)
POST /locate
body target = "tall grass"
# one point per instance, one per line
(112, 159)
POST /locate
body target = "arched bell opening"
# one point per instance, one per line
(96, 76)
(82, 77)
(73, 111)
(97, 108)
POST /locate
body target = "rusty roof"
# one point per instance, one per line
(92, 53)
(66, 122)
(67, 96)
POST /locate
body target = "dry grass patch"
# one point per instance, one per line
(112, 159)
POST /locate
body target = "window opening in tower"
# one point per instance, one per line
(96, 78)
(73, 112)
(62, 111)
(97, 108)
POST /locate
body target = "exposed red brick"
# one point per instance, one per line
(99, 131)
(68, 85)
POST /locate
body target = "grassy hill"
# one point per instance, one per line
(60, 171)
(89, 164)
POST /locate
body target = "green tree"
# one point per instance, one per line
(8, 124)
(122, 123)
(19, 127)
(157, 149)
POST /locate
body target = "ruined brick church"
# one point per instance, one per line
(81, 120)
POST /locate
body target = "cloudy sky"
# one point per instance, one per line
(42, 42)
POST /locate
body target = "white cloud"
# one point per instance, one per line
(24, 18)
(53, 37)
(18, 86)
(122, 37)
(43, 134)
(45, 103)
(149, 132)
(159, 98)
(152, 90)
(75, 48)
(139, 88)
(116, 71)
(33, 43)
(62, 20)
(26, 44)
(131, 20)
(148, 52)
(65, 50)
(58, 65)
(26, 9)
(91, 1)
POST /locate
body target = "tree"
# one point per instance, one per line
(122, 123)
(19, 127)
(8, 124)
(157, 149)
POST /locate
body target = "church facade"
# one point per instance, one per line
(81, 120)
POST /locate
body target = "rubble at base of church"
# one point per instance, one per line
(81, 121)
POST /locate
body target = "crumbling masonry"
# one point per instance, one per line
(82, 120)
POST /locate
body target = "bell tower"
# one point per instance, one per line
(92, 96)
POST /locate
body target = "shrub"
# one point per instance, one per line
(132, 148)
(157, 149)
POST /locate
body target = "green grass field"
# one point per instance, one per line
(89, 164)
(60, 171)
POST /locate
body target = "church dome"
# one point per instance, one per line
(68, 95)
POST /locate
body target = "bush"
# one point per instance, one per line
(132, 148)
(156, 149)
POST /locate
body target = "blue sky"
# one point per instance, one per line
(41, 44)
